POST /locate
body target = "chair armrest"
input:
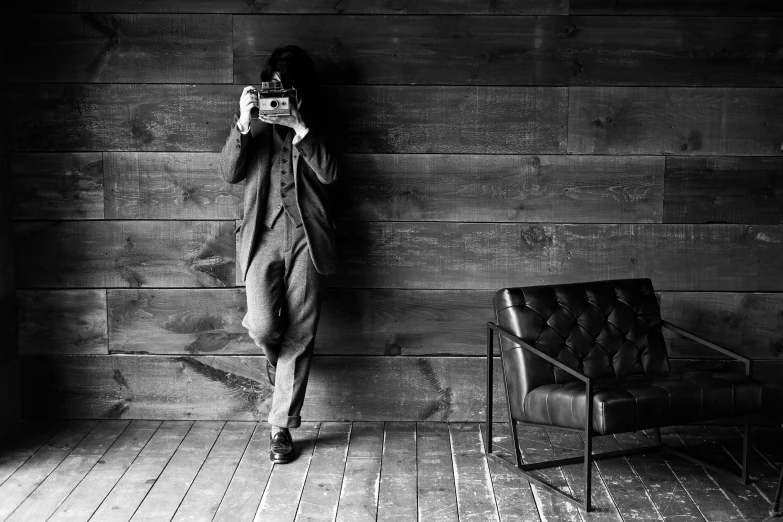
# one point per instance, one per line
(709, 344)
(505, 333)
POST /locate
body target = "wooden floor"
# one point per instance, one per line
(362, 471)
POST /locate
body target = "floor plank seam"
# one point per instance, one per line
(168, 460)
(91, 468)
(233, 474)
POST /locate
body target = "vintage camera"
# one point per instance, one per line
(273, 100)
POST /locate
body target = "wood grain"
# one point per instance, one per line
(88, 495)
(123, 501)
(677, 7)
(172, 485)
(668, 495)
(188, 321)
(535, 446)
(498, 7)
(58, 185)
(169, 185)
(519, 50)
(436, 491)
(19, 446)
(236, 388)
(359, 494)
(397, 499)
(569, 444)
(492, 256)
(404, 50)
(671, 50)
(449, 119)
(65, 321)
(513, 493)
(750, 323)
(406, 187)
(356, 322)
(631, 495)
(249, 481)
(500, 188)
(26, 479)
(385, 119)
(284, 489)
(323, 486)
(723, 190)
(448, 389)
(675, 120)
(206, 491)
(125, 253)
(617, 120)
(122, 48)
(475, 496)
(739, 121)
(56, 487)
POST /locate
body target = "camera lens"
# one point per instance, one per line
(273, 104)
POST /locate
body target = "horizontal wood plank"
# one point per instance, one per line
(125, 253)
(500, 188)
(492, 256)
(122, 48)
(384, 119)
(358, 322)
(9, 327)
(169, 185)
(750, 324)
(519, 50)
(677, 7)
(403, 50)
(449, 389)
(58, 185)
(407, 187)
(723, 190)
(498, 7)
(410, 255)
(67, 321)
(675, 120)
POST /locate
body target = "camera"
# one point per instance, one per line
(273, 100)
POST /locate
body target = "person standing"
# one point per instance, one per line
(287, 239)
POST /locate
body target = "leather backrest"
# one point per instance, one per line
(604, 329)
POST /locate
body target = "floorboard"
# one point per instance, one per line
(165, 470)
(32, 473)
(48, 496)
(324, 481)
(284, 489)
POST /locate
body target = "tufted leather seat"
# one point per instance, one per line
(611, 332)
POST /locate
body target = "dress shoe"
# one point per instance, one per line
(281, 447)
(270, 372)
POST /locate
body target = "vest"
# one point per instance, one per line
(282, 189)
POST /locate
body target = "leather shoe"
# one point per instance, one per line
(270, 372)
(281, 447)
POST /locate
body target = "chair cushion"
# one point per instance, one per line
(644, 401)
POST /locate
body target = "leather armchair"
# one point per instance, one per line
(591, 357)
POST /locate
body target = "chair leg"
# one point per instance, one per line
(776, 502)
(490, 383)
(745, 450)
(588, 471)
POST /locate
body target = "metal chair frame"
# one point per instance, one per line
(588, 433)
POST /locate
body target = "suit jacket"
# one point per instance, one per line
(249, 157)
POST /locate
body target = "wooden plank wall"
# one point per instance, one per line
(486, 144)
(10, 387)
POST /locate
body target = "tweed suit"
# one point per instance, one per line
(283, 265)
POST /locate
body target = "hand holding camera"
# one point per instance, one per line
(271, 104)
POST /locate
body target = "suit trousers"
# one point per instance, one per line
(283, 307)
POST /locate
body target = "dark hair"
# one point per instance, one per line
(296, 70)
